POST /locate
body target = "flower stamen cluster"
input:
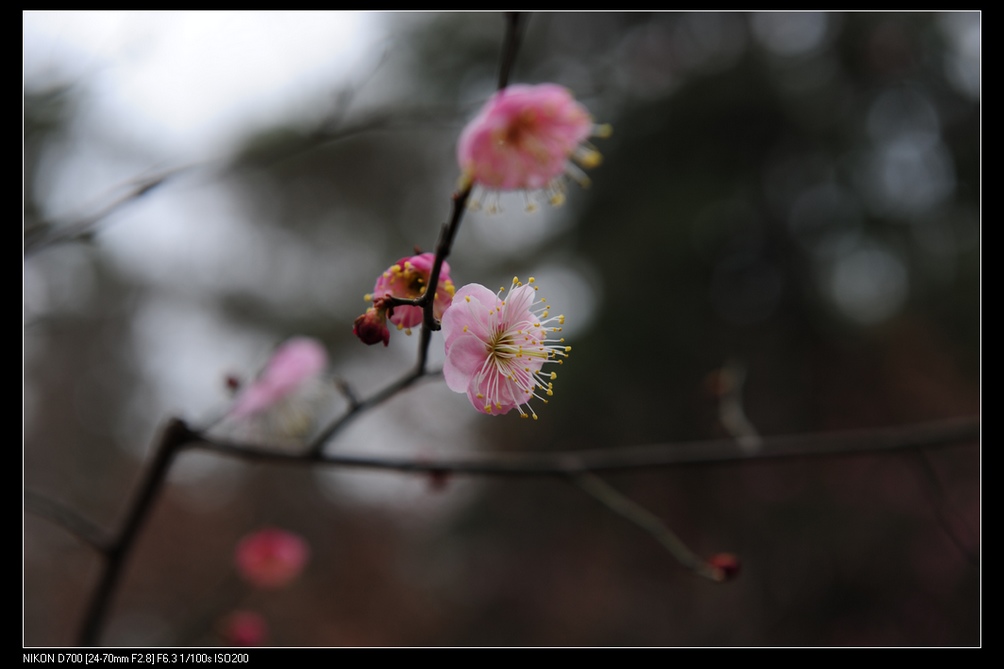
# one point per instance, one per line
(496, 348)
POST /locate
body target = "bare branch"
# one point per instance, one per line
(944, 433)
(43, 234)
(515, 27)
(53, 511)
(347, 391)
(173, 436)
(968, 547)
(646, 520)
(357, 407)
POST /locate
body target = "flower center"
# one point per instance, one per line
(522, 129)
(503, 345)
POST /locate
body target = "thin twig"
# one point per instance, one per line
(937, 434)
(646, 520)
(357, 407)
(939, 502)
(66, 518)
(347, 391)
(323, 135)
(41, 235)
(514, 34)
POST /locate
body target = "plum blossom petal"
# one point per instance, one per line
(467, 356)
(496, 348)
(294, 363)
(474, 320)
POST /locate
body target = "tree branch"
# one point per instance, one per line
(42, 234)
(719, 451)
(174, 435)
(513, 36)
(357, 407)
(646, 520)
(968, 547)
(80, 527)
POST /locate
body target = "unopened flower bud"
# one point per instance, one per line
(371, 327)
(232, 382)
(725, 566)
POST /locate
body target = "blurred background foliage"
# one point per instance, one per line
(796, 194)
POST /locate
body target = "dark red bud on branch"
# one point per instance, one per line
(725, 566)
(371, 327)
(232, 382)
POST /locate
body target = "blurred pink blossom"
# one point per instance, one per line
(525, 138)
(244, 628)
(271, 558)
(295, 362)
(496, 348)
(407, 278)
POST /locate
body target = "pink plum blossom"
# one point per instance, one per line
(525, 138)
(496, 348)
(407, 278)
(271, 558)
(294, 363)
(244, 628)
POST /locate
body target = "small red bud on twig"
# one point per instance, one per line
(725, 566)
(371, 327)
(232, 382)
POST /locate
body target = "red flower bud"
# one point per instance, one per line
(371, 327)
(232, 382)
(725, 566)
